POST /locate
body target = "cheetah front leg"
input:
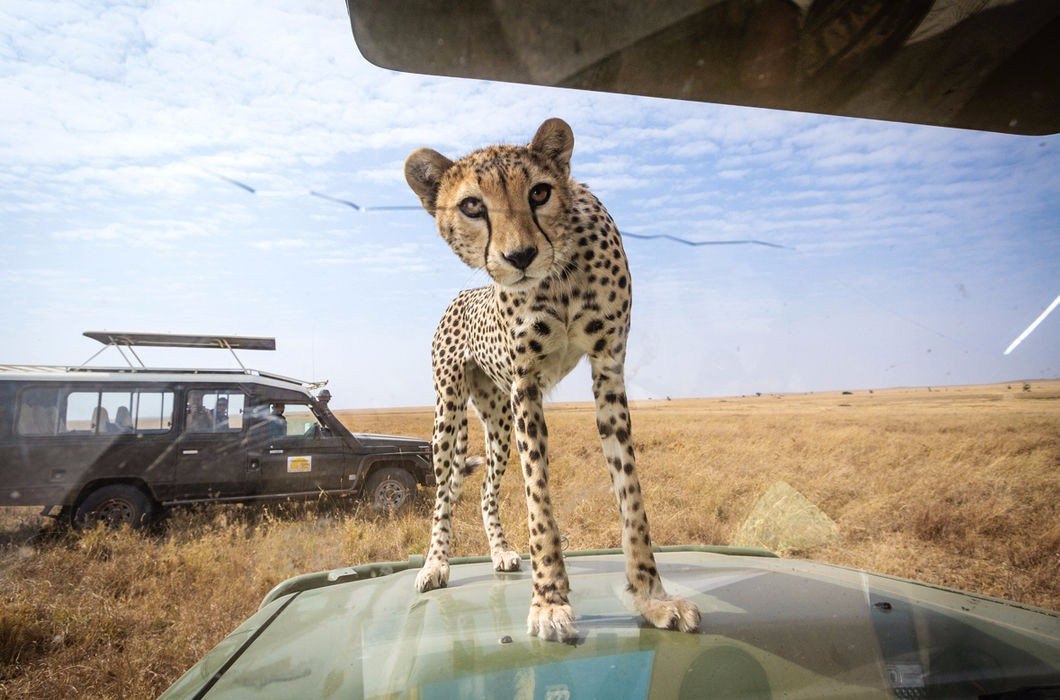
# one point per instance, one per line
(613, 422)
(551, 616)
(450, 414)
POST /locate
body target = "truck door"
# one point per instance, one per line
(212, 459)
(299, 456)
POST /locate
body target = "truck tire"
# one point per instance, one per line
(114, 505)
(390, 490)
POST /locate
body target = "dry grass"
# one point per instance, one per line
(959, 486)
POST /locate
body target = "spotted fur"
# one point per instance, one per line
(561, 290)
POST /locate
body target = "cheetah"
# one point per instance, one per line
(560, 291)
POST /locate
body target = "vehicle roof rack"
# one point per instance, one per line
(83, 370)
(172, 340)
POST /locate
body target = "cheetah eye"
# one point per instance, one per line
(472, 207)
(540, 194)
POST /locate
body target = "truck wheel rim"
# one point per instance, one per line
(390, 495)
(114, 512)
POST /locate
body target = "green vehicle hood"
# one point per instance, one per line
(771, 628)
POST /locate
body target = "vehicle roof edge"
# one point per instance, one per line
(321, 579)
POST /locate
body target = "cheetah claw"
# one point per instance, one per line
(668, 612)
(506, 561)
(552, 622)
(432, 575)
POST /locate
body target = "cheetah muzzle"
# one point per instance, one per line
(561, 290)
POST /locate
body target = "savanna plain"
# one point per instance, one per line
(956, 486)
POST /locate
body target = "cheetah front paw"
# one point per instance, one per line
(553, 622)
(506, 560)
(433, 575)
(668, 612)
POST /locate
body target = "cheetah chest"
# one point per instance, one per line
(536, 333)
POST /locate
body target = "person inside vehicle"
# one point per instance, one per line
(320, 429)
(220, 414)
(277, 422)
(197, 419)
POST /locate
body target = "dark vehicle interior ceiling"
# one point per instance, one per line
(990, 65)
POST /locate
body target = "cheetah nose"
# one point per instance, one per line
(521, 259)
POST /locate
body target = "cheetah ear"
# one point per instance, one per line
(555, 140)
(423, 171)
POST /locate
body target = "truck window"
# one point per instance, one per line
(38, 412)
(153, 411)
(214, 412)
(117, 405)
(84, 414)
(117, 412)
(284, 419)
(301, 421)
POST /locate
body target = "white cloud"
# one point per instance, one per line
(159, 235)
(408, 257)
(694, 149)
(282, 244)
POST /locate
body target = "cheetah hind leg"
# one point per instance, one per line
(456, 477)
(493, 407)
(463, 465)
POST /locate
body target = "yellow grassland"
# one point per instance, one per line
(958, 486)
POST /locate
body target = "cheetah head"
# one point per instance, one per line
(504, 209)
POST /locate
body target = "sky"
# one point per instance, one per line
(913, 255)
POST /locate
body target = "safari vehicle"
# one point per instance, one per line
(771, 627)
(119, 444)
(774, 628)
